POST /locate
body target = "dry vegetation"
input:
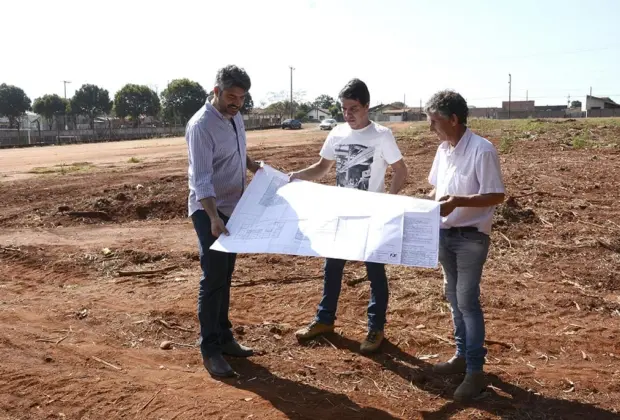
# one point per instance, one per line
(98, 268)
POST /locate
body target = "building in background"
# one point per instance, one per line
(318, 114)
(518, 105)
(593, 102)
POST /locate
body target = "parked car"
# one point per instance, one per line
(291, 124)
(328, 124)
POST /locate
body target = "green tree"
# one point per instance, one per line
(49, 106)
(248, 104)
(135, 101)
(13, 103)
(324, 102)
(305, 107)
(336, 110)
(91, 101)
(181, 99)
(282, 108)
(302, 110)
(575, 104)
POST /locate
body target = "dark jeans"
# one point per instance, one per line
(214, 293)
(332, 283)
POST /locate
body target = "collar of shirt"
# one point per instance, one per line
(461, 146)
(215, 111)
(229, 121)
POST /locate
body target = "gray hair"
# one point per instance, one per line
(232, 76)
(447, 103)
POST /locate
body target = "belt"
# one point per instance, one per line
(463, 229)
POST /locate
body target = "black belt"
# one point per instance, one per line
(463, 229)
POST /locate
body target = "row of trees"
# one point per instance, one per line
(300, 108)
(177, 103)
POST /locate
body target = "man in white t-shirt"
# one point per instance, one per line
(362, 151)
(468, 183)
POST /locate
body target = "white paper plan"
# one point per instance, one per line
(276, 216)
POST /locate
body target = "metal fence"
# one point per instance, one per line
(102, 133)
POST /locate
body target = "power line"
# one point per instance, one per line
(547, 53)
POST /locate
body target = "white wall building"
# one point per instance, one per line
(318, 114)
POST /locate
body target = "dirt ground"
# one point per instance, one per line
(21, 163)
(80, 331)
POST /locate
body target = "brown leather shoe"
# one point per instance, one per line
(372, 342)
(312, 330)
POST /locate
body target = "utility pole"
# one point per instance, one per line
(590, 90)
(509, 93)
(569, 100)
(292, 68)
(420, 109)
(65, 113)
(404, 100)
(526, 95)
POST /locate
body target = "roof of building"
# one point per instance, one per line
(402, 110)
(319, 109)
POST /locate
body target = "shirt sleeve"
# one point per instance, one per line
(489, 173)
(200, 149)
(391, 152)
(432, 176)
(327, 151)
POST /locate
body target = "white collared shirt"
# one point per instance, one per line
(472, 167)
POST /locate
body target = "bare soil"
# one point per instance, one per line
(80, 336)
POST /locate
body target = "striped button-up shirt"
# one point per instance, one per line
(217, 159)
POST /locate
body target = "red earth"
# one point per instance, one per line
(80, 330)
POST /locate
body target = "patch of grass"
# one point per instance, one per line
(506, 143)
(62, 168)
(581, 140)
(483, 124)
(414, 133)
(133, 159)
(531, 125)
(615, 122)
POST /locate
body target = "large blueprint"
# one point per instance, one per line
(309, 219)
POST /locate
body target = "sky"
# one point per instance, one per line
(403, 49)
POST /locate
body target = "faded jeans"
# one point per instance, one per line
(462, 254)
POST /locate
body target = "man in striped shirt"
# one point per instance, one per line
(218, 162)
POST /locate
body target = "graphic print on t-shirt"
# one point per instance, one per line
(353, 162)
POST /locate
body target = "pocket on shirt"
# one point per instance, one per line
(462, 184)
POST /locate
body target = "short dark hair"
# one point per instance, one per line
(355, 90)
(447, 103)
(232, 76)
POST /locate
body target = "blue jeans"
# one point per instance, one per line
(332, 283)
(214, 292)
(462, 255)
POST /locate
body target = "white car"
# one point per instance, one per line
(328, 124)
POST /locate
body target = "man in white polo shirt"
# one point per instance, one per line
(468, 183)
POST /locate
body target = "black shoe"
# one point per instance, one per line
(218, 366)
(233, 348)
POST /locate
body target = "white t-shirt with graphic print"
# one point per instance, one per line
(361, 156)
